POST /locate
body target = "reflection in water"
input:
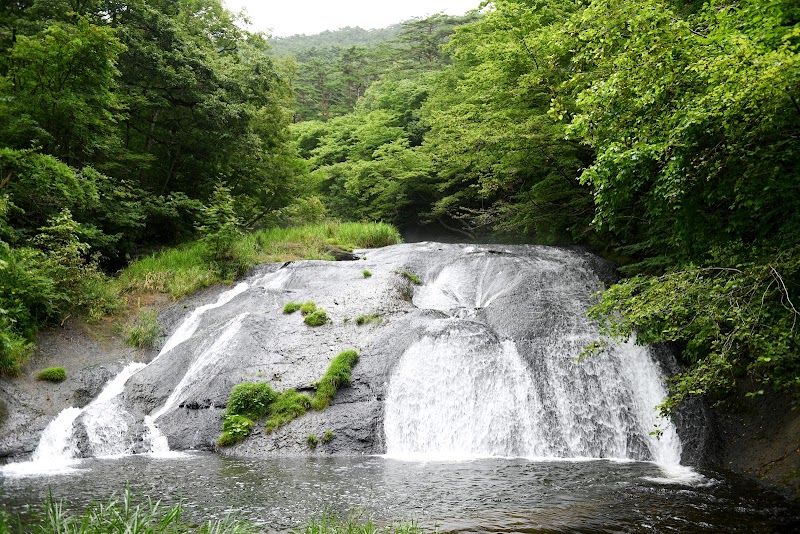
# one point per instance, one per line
(492, 495)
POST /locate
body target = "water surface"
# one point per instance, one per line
(491, 495)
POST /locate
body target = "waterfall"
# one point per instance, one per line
(499, 377)
(105, 427)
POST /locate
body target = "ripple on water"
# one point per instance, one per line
(491, 495)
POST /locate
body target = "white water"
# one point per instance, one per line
(189, 325)
(462, 391)
(57, 451)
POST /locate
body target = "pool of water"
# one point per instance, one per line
(489, 495)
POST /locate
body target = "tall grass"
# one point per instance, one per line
(119, 516)
(354, 524)
(124, 516)
(182, 270)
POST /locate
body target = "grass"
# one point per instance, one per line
(291, 307)
(411, 277)
(182, 270)
(312, 440)
(355, 524)
(145, 331)
(308, 307)
(316, 318)
(121, 516)
(327, 437)
(288, 406)
(52, 374)
(250, 402)
(367, 319)
(338, 375)
(366, 273)
(124, 515)
(234, 429)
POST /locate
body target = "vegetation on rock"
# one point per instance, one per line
(250, 402)
(52, 374)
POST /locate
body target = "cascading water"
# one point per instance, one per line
(106, 431)
(499, 376)
(482, 365)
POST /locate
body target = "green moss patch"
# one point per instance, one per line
(250, 402)
(316, 318)
(52, 374)
(338, 375)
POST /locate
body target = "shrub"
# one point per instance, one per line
(327, 437)
(145, 331)
(52, 374)
(287, 406)
(366, 273)
(338, 375)
(308, 307)
(367, 319)
(291, 307)
(234, 429)
(311, 439)
(413, 278)
(251, 400)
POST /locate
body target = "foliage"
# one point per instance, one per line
(367, 319)
(122, 515)
(355, 524)
(251, 400)
(365, 273)
(52, 374)
(317, 317)
(731, 320)
(308, 308)
(234, 429)
(337, 376)
(288, 406)
(411, 277)
(312, 440)
(327, 437)
(220, 232)
(291, 307)
(145, 331)
(181, 270)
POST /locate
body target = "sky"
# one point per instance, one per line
(289, 17)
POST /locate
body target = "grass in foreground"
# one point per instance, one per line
(125, 516)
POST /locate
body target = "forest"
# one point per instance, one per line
(662, 134)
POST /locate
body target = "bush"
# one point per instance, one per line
(316, 318)
(338, 375)
(291, 307)
(327, 437)
(366, 273)
(307, 308)
(251, 400)
(234, 429)
(144, 333)
(52, 374)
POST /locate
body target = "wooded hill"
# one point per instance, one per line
(661, 133)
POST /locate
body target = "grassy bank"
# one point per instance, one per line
(183, 270)
(123, 515)
(37, 291)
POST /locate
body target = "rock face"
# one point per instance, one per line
(526, 304)
(531, 297)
